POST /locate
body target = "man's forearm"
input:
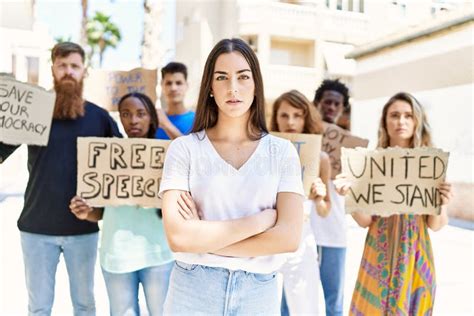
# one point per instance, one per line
(172, 131)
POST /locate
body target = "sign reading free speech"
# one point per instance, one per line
(117, 171)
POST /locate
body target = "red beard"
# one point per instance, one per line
(69, 102)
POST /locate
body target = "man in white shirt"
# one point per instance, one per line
(331, 98)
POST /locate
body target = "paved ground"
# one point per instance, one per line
(453, 247)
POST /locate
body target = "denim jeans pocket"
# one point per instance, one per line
(263, 278)
(186, 267)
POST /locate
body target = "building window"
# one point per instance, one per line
(339, 4)
(33, 69)
(351, 5)
(361, 6)
(292, 53)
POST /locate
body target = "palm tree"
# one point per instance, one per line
(101, 34)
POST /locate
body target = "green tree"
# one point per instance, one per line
(101, 34)
(62, 39)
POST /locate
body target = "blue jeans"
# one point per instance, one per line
(122, 289)
(202, 290)
(284, 310)
(332, 269)
(41, 257)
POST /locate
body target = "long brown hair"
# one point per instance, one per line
(313, 123)
(207, 110)
(422, 133)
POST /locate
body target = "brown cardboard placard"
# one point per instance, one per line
(26, 112)
(105, 88)
(394, 180)
(335, 138)
(117, 171)
(308, 147)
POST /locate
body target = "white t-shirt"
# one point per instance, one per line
(223, 192)
(330, 231)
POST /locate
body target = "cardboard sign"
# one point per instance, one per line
(26, 112)
(335, 138)
(309, 150)
(394, 180)
(105, 88)
(117, 171)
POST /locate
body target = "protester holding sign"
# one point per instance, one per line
(177, 120)
(293, 113)
(330, 99)
(46, 224)
(133, 249)
(397, 274)
(245, 184)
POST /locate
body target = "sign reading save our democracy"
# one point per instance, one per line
(117, 171)
(394, 180)
(25, 112)
(308, 147)
(105, 88)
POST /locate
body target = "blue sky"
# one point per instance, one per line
(63, 18)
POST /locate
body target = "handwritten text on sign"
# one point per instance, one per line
(25, 112)
(393, 181)
(115, 171)
(334, 139)
(105, 88)
(309, 149)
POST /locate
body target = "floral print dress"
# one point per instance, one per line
(396, 275)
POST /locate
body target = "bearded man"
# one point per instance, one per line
(47, 226)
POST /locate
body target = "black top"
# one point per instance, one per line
(53, 174)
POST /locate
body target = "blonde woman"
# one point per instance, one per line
(396, 275)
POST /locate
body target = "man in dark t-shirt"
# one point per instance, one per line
(47, 226)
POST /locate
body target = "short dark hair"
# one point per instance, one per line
(63, 49)
(174, 67)
(207, 110)
(332, 85)
(146, 101)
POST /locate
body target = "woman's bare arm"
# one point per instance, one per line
(323, 201)
(436, 222)
(283, 237)
(201, 236)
